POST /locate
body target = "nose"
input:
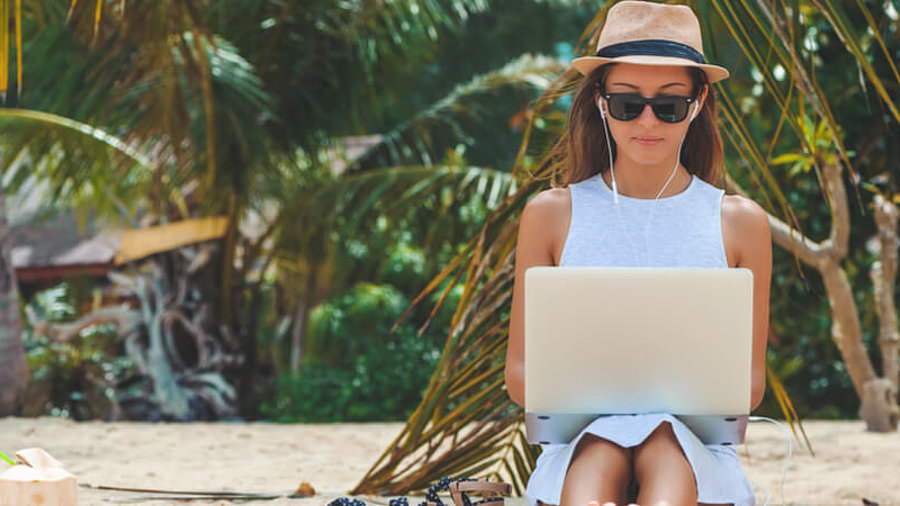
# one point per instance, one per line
(647, 118)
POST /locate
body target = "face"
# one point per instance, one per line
(647, 140)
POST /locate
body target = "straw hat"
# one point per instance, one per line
(650, 33)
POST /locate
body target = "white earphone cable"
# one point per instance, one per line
(606, 135)
(787, 459)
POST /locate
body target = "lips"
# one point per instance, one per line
(648, 141)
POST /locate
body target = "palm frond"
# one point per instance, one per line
(787, 406)
(439, 205)
(158, 95)
(423, 138)
(391, 29)
(466, 422)
(155, 60)
(331, 64)
(466, 425)
(82, 164)
(834, 12)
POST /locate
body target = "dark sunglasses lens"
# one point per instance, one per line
(670, 109)
(625, 107)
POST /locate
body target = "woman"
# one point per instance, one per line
(644, 153)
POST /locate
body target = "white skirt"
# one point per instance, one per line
(717, 469)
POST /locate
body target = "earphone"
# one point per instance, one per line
(609, 150)
(693, 114)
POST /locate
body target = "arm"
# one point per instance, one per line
(544, 219)
(748, 239)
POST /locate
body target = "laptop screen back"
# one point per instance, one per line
(638, 340)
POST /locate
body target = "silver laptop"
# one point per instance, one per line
(603, 341)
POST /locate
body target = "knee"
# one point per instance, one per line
(659, 444)
(600, 451)
(660, 450)
(599, 471)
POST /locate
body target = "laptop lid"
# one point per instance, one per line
(638, 340)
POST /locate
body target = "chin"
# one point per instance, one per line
(647, 158)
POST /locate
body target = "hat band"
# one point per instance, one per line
(652, 48)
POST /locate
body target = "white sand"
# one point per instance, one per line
(850, 464)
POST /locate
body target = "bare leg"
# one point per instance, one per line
(599, 472)
(663, 472)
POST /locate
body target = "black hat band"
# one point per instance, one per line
(652, 48)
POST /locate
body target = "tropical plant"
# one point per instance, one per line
(162, 69)
(355, 368)
(75, 378)
(160, 101)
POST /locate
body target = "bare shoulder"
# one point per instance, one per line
(543, 226)
(744, 216)
(745, 230)
(548, 206)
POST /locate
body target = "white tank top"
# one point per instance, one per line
(683, 230)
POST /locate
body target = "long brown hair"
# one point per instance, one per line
(701, 155)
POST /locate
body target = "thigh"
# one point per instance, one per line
(660, 449)
(602, 455)
(662, 470)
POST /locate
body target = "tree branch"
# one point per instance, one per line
(839, 238)
(125, 317)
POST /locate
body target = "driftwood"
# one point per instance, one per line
(170, 335)
(123, 316)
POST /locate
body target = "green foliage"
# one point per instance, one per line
(76, 379)
(355, 368)
(804, 357)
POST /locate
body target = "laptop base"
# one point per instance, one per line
(545, 428)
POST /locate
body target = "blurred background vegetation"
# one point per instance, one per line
(355, 148)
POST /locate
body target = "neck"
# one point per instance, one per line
(645, 181)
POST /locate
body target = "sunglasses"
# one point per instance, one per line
(628, 106)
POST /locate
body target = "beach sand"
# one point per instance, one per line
(850, 464)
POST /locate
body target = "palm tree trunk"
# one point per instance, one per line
(300, 321)
(13, 366)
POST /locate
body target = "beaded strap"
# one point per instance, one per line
(432, 497)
